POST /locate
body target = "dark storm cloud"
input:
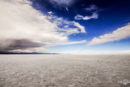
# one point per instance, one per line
(18, 44)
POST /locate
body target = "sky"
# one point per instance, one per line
(65, 26)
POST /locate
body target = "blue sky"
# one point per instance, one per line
(65, 26)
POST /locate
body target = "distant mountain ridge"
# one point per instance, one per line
(24, 53)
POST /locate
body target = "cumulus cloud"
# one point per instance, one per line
(80, 17)
(118, 34)
(23, 28)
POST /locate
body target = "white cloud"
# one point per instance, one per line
(93, 16)
(118, 34)
(23, 28)
(91, 8)
(66, 26)
(80, 17)
(62, 2)
(50, 13)
(73, 42)
(80, 27)
(70, 31)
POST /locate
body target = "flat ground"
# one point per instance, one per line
(64, 71)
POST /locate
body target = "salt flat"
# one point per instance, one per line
(64, 70)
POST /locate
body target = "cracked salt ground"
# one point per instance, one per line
(124, 83)
(64, 70)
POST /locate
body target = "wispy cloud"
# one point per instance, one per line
(68, 27)
(118, 34)
(92, 8)
(24, 28)
(62, 2)
(72, 42)
(80, 17)
(82, 28)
